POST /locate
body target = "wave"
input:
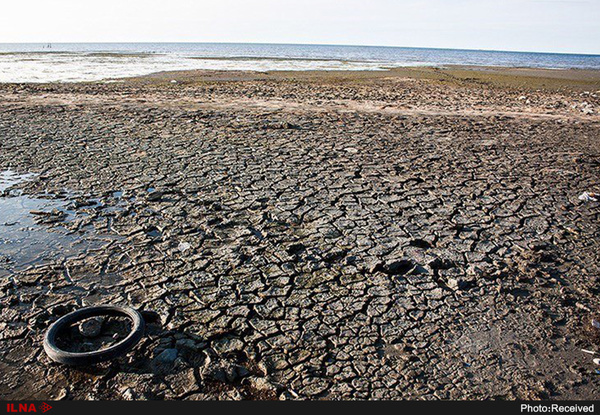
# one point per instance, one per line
(278, 59)
(96, 62)
(82, 54)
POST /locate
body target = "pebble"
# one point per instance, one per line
(91, 327)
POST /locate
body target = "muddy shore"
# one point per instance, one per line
(405, 234)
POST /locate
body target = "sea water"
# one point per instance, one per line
(72, 62)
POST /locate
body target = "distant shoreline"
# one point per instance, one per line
(583, 79)
(586, 79)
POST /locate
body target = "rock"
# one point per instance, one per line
(154, 196)
(129, 394)
(284, 125)
(61, 309)
(63, 394)
(399, 267)
(166, 357)
(91, 327)
(183, 246)
(225, 372)
(189, 344)
(228, 345)
(453, 284)
(287, 396)
(262, 384)
(236, 372)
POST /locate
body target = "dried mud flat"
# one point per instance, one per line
(411, 234)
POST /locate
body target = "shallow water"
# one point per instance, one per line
(23, 240)
(9, 178)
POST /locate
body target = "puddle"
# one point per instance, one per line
(27, 238)
(9, 178)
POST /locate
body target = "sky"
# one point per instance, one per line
(517, 25)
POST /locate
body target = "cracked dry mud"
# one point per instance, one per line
(313, 238)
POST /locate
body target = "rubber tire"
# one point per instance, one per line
(97, 356)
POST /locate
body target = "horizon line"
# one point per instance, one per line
(311, 44)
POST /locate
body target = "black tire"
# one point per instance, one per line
(97, 356)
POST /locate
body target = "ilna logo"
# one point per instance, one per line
(27, 407)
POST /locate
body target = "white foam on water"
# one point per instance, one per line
(78, 67)
(71, 62)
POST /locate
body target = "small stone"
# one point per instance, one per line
(166, 357)
(189, 344)
(63, 394)
(453, 284)
(183, 246)
(129, 395)
(92, 327)
(228, 345)
(236, 372)
(225, 372)
(399, 267)
(261, 384)
(154, 196)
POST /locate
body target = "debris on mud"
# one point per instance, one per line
(588, 197)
